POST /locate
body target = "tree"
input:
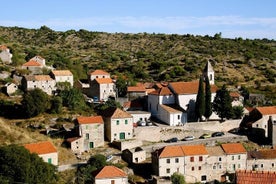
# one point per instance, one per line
(35, 102)
(109, 103)
(237, 112)
(73, 99)
(121, 85)
(200, 100)
(222, 104)
(18, 165)
(56, 104)
(177, 178)
(208, 99)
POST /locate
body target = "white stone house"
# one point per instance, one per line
(33, 66)
(101, 86)
(261, 160)
(110, 175)
(45, 150)
(118, 124)
(199, 163)
(40, 60)
(162, 105)
(43, 82)
(10, 88)
(140, 116)
(236, 156)
(5, 54)
(63, 76)
(136, 155)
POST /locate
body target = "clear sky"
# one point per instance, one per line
(233, 18)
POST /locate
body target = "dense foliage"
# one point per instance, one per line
(200, 100)
(18, 165)
(222, 104)
(178, 178)
(208, 99)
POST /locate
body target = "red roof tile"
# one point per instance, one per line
(90, 120)
(181, 88)
(255, 177)
(115, 113)
(194, 150)
(234, 94)
(32, 63)
(171, 151)
(110, 172)
(233, 148)
(3, 47)
(267, 110)
(170, 109)
(162, 91)
(104, 80)
(41, 147)
(136, 89)
(99, 72)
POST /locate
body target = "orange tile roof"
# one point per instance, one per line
(267, 110)
(233, 148)
(136, 89)
(171, 151)
(182, 150)
(188, 87)
(170, 109)
(38, 78)
(162, 91)
(110, 172)
(3, 47)
(104, 80)
(255, 177)
(262, 154)
(90, 120)
(41, 147)
(62, 72)
(99, 72)
(32, 63)
(234, 94)
(194, 150)
(115, 113)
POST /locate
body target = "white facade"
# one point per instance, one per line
(40, 60)
(121, 128)
(43, 82)
(106, 90)
(5, 54)
(139, 115)
(112, 180)
(51, 158)
(63, 76)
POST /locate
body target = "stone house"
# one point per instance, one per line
(63, 76)
(90, 134)
(118, 124)
(236, 156)
(110, 175)
(199, 163)
(45, 150)
(174, 104)
(33, 66)
(137, 91)
(5, 54)
(140, 116)
(10, 88)
(261, 160)
(136, 155)
(101, 86)
(43, 82)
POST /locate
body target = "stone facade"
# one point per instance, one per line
(5, 54)
(43, 82)
(63, 76)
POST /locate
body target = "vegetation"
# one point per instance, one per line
(18, 165)
(177, 178)
(208, 99)
(222, 104)
(200, 100)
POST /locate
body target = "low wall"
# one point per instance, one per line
(127, 144)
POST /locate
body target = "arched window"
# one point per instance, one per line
(211, 77)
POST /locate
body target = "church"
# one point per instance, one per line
(174, 103)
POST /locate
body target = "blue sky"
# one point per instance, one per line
(233, 18)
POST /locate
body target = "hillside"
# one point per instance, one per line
(149, 57)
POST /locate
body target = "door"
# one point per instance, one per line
(91, 145)
(122, 135)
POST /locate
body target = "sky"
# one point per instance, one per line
(253, 19)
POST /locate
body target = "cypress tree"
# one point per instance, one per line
(200, 100)
(208, 98)
(222, 104)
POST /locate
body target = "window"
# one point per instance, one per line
(176, 160)
(168, 161)
(86, 127)
(239, 157)
(112, 181)
(272, 165)
(211, 77)
(220, 166)
(203, 178)
(257, 125)
(214, 167)
(49, 160)
(232, 157)
(239, 165)
(262, 165)
(117, 122)
(200, 158)
(220, 159)
(193, 168)
(191, 159)
(199, 168)
(126, 122)
(178, 116)
(168, 170)
(87, 136)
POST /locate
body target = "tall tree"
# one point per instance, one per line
(222, 104)
(121, 85)
(177, 178)
(35, 102)
(200, 100)
(208, 99)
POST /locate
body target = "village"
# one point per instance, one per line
(157, 127)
